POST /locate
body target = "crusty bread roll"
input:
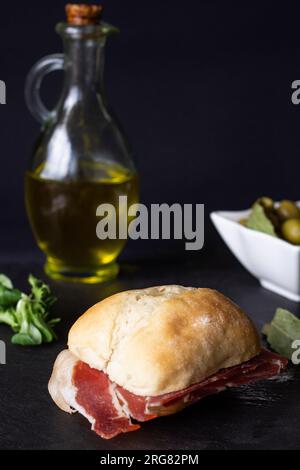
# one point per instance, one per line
(163, 339)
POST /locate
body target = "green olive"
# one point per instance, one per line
(288, 210)
(291, 231)
(243, 222)
(266, 202)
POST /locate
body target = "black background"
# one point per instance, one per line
(202, 88)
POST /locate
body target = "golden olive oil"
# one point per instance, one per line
(63, 218)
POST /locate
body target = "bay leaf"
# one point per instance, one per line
(283, 330)
(259, 221)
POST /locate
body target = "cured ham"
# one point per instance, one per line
(263, 366)
(110, 407)
(96, 395)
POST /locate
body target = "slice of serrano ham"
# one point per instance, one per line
(96, 394)
(263, 366)
(76, 386)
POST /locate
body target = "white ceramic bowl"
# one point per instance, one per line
(273, 261)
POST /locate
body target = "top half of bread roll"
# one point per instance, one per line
(163, 339)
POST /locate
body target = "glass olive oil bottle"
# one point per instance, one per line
(81, 160)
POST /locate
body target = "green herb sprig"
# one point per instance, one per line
(27, 315)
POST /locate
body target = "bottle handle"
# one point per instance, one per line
(34, 79)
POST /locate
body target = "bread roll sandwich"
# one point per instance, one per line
(147, 353)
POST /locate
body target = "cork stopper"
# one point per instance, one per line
(83, 14)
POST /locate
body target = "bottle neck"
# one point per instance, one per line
(84, 64)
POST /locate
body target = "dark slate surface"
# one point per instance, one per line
(265, 415)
